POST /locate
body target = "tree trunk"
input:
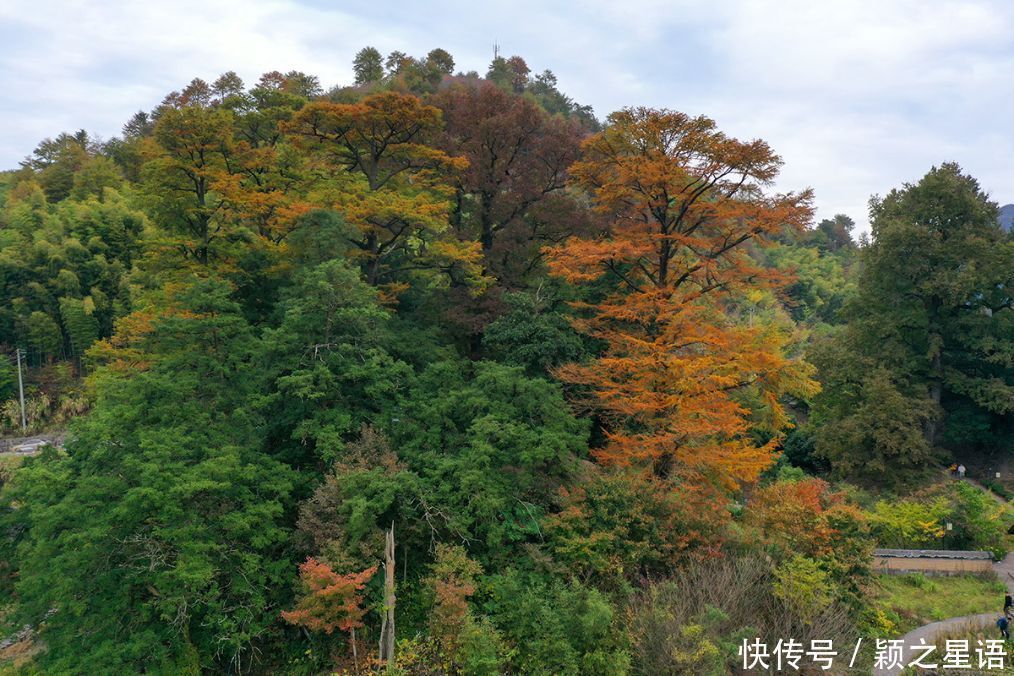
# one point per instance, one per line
(486, 223)
(387, 626)
(932, 429)
(935, 386)
(371, 266)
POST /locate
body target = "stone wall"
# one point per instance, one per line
(931, 566)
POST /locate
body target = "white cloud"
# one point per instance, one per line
(858, 96)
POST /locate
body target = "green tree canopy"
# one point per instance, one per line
(930, 329)
(154, 543)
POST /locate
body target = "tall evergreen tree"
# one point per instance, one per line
(154, 544)
(930, 331)
(368, 66)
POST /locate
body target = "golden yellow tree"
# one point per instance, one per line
(389, 182)
(685, 380)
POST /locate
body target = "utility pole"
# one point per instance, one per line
(21, 393)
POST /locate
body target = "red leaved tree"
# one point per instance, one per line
(330, 601)
(684, 379)
(511, 197)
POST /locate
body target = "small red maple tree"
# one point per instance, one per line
(331, 601)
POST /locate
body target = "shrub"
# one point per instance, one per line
(803, 586)
(909, 524)
(616, 527)
(997, 488)
(978, 521)
(464, 640)
(557, 628)
(719, 603)
(919, 522)
(481, 648)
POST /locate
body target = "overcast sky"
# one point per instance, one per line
(857, 97)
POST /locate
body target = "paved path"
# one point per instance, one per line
(975, 483)
(1004, 572)
(985, 490)
(929, 633)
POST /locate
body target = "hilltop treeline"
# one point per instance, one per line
(567, 364)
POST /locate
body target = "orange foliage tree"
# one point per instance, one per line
(450, 583)
(331, 601)
(684, 379)
(389, 182)
(214, 192)
(266, 190)
(792, 516)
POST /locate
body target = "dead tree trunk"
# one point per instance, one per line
(387, 625)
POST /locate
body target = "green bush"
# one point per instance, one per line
(480, 648)
(998, 488)
(977, 521)
(556, 628)
(909, 524)
(8, 379)
(802, 585)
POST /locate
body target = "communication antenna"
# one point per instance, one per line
(496, 50)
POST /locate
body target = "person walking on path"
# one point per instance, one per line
(928, 633)
(961, 471)
(1003, 624)
(1008, 606)
(954, 470)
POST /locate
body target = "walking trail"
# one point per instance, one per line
(1004, 572)
(975, 483)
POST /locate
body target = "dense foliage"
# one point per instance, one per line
(579, 369)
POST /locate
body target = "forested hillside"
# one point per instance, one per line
(438, 372)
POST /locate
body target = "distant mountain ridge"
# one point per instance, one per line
(1006, 217)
